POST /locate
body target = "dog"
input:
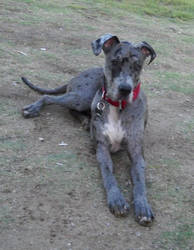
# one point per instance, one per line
(117, 106)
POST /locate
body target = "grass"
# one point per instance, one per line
(5, 217)
(175, 196)
(180, 237)
(62, 173)
(187, 128)
(189, 39)
(175, 9)
(170, 80)
(11, 111)
(15, 146)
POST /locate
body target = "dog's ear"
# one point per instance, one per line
(147, 50)
(105, 42)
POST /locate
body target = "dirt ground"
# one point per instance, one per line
(52, 196)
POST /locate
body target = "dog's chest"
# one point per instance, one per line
(113, 129)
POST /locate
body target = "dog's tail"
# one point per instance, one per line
(56, 91)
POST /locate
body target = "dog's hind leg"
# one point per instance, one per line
(69, 100)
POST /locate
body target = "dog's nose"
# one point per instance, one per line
(125, 89)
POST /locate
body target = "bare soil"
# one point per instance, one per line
(52, 196)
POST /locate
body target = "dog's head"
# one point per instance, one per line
(123, 64)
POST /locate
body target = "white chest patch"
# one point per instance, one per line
(113, 129)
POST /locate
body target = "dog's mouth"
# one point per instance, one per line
(126, 96)
(120, 96)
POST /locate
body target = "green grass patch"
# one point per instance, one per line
(30, 20)
(181, 237)
(188, 39)
(46, 77)
(79, 52)
(181, 9)
(2, 53)
(7, 109)
(65, 159)
(176, 9)
(75, 6)
(175, 81)
(5, 218)
(48, 5)
(187, 128)
(62, 172)
(13, 145)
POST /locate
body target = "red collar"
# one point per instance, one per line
(122, 104)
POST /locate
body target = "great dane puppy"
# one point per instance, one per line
(118, 109)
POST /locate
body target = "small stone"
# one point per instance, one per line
(59, 164)
(15, 83)
(63, 144)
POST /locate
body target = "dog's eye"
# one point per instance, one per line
(137, 66)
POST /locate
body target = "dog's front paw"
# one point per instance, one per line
(116, 202)
(143, 212)
(30, 111)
